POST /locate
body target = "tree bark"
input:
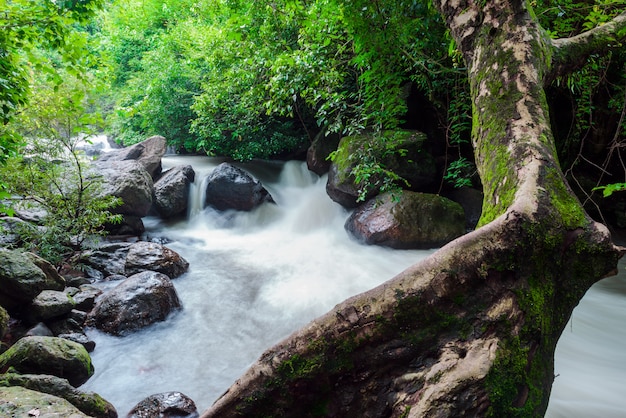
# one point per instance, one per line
(470, 331)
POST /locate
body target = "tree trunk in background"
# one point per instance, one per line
(470, 331)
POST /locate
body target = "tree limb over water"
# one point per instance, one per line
(471, 330)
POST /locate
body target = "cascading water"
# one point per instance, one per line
(255, 277)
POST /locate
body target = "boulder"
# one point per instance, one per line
(21, 280)
(85, 298)
(130, 225)
(399, 151)
(148, 153)
(407, 220)
(129, 181)
(50, 304)
(322, 146)
(49, 355)
(144, 256)
(88, 403)
(140, 300)
(17, 401)
(229, 187)
(10, 230)
(171, 191)
(71, 328)
(165, 405)
(472, 202)
(40, 329)
(55, 280)
(109, 259)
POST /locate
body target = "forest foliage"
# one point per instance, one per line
(246, 79)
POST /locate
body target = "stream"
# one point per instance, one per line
(256, 277)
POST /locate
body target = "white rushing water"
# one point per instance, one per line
(256, 277)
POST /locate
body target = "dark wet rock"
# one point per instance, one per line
(165, 405)
(229, 187)
(114, 278)
(21, 280)
(50, 304)
(413, 163)
(108, 258)
(472, 202)
(130, 226)
(49, 355)
(40, 330)
(322, 146)
(85, 299)
(408, 220)
(129, 181)
(80, 338)
(171, 191)
(16, 401)
(140, 300)
(148, 153)
(74, 322)
(144, 256)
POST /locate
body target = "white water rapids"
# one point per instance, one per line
(256, 277)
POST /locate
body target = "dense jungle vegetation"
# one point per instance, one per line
(247, 79)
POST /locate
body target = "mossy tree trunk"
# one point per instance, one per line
(470, 331)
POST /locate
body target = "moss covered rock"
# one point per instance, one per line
(17, 401)
(407, 220)
(401, 152)
(88, 403)
(20, 279)
(49, 355)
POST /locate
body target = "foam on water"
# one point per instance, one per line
(256, 277)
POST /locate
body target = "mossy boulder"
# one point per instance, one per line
(88, 403)
(17, 401)
(50, 304)
(55, 280)
(407, 220)
(21, 279)
(401, 152)
(49, 355)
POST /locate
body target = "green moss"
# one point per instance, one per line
(419, 324)
(508, 379)
(569, 209)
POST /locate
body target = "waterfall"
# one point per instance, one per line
(255, 277)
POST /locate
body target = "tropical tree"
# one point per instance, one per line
(25, 27)
(471, 330)
(51, 173)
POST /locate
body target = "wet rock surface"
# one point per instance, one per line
(138, 301)
(229, 187)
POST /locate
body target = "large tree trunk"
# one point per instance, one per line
(470, 331)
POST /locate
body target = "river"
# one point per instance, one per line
(256, 277)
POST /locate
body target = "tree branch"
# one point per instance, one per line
(571, 53)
